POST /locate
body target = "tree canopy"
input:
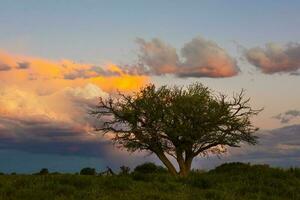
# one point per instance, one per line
(178, 122)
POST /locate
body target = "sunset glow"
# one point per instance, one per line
(58, 57)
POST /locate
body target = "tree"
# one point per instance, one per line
(177, 122)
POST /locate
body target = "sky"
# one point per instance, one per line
(57, 57)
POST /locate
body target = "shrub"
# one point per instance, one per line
(232, 167)
(118, 183)
(124, 170)
(198, 181)
(88, 171)
(138, 176)
(43, 171)
(295, 171)
(149, 167)
(213, 194)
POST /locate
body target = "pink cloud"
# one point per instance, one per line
(275, 58)
(199, 58)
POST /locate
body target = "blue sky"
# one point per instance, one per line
(83, 35)
(101, 30)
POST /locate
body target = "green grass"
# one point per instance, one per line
(230, 181)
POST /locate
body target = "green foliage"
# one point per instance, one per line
(124, 170)
(55, 173)
(88, 171)
(118, 183)
(181, 122)
(43, 171)
(242, 182)
(295, 171)
(147, 171)
(149, 167)
(232, 167)
(199, 181)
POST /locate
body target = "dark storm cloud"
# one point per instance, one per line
(48, 139)
(287, 116)
(275, 58)
(19, 65)
(40, 136)
(93, 71)
(23, 65)
(278, 147)
(199, 58)
(4, 67)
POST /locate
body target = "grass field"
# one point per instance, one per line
(229, 181)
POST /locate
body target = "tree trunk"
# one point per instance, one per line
(184, 164)
(181, 164)
(184, 170)
(167, 163)
(185, 167)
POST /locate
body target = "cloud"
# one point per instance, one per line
(8, 62)
(4, 67)
(44, 105)
(23, 65)
(161, 58)
(199, 58)
(77, 71)
(277, 144)
(287, 116)
(90, 91)
(278, 147)
(47, 76)
(51, 139)
(57, 124)
(275, 58)
(45, 136)
(67, 107)
(204, 58)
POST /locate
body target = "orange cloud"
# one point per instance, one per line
(123, 82)
(49, 76)
(41, 92)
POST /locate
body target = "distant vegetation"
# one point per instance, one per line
(148, 168)
(88, 171)
(43, 171)
(229, 182)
